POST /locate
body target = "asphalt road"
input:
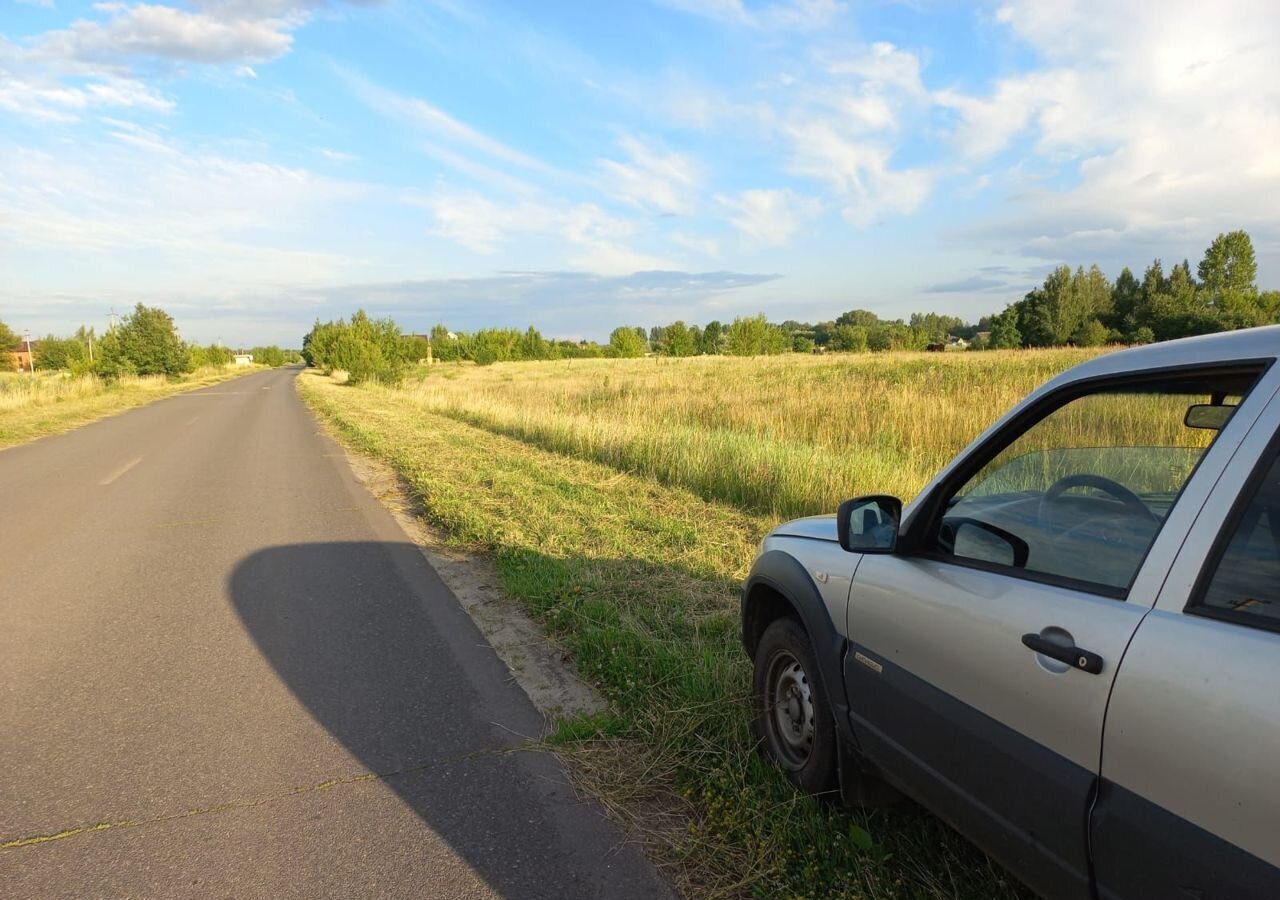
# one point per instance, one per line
(223, 672)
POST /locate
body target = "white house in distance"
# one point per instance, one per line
(243, 359)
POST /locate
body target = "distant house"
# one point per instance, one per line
(956, 343)
(20, 359)
(243, 359)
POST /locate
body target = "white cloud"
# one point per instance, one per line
(143, 207)
(165, 32)
(436, 122)
(652, 179)
(769, 216)
(798, 15)
(1164, 119)
(56, 75)
(50, 100)
(587, 237)
(859, 171)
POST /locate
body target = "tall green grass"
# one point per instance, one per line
(790, 435)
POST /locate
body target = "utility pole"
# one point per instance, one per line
(113, 318)
(31, 360)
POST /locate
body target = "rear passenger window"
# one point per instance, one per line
(1244, 584)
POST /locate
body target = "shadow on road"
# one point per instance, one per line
(371, 642)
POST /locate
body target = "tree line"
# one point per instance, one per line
(146, 342)
(1078, 307)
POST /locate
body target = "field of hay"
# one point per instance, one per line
(32, 406)
(786, 435)
(622, 501)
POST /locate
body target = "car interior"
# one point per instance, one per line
(1081, 494)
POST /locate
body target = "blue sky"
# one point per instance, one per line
(251, 165)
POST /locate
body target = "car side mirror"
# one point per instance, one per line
(869, 524)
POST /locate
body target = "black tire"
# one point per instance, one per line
(792, 715)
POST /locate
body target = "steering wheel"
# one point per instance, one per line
(1131, 501)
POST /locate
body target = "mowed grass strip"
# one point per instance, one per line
(51, 403)
(639, 581)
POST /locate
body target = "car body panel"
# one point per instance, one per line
(983, 778)
(1193, 730)
(1038, 722)
(819, 528)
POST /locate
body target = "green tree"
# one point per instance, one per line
(627, 343)
(849, 339)
(444, 344)
(533, 345)
(859, 317)
(802, 343)
(1004, 330)
(1227, 274)
(55, 353)
(932, 328)
(678, 340)
(1050, 315)
(1090, 334)
(712, 337)
(1126, 302)
(268, 356)
(366, 349)
(9, 341)
(146, 343)
(1229, 264)
(754, 336)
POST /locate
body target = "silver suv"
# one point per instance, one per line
(1068, 645)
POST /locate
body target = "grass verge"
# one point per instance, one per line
(638, 581)
(33, 407)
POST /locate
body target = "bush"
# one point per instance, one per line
(268, 356)
(367, 349)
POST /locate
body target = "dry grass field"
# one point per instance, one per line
(53, 402)
(786, 435)
(622, 501)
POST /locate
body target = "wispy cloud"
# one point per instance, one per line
(769, 216)
(800, 15)
(432, 120)
(651, 178)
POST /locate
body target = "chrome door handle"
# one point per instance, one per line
(1072, 656)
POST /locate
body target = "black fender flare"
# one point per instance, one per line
(783, 575)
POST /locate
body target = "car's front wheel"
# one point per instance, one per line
(792, 716)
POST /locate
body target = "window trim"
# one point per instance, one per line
(913, 543)
(1195, 605)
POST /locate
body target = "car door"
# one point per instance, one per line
(1189, 797)
(983, 652)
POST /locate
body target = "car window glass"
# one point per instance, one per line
(1082, 492)
(1245, 584)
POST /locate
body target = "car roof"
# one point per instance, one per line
(1206, 349)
